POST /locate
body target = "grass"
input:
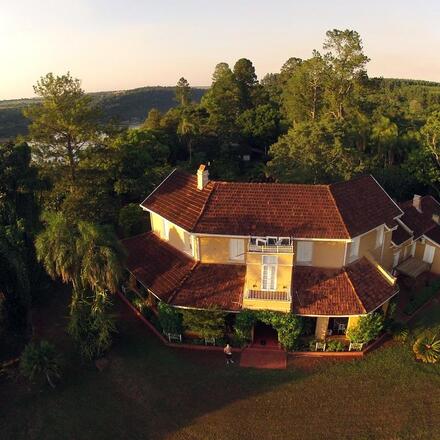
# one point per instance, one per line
(153, 392)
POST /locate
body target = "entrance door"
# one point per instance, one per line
(428, 255)
(265, 335)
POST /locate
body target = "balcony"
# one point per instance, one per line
(267, 300)
(271, 245)
(268, 295)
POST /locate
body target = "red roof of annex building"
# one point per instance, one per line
(337, 211)
(358, 288)
(178, 280)
(420, 221)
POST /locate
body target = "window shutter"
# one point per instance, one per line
(305, 251)
(236, 249)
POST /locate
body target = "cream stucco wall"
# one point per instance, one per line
(216, 250)
(178, 237)
(259, 304)
(254, 268)
(328, 254)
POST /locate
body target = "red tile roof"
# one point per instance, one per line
(304, 211)
(357, 289)
(213, 285)
(156, 264)
(177, 279)
(337, 211)
(364, 205)
(420, 222)
(178, 199)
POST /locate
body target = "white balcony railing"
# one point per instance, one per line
(268, 295)
(271, 249)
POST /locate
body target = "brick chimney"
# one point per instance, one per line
(417, 202)
(202, 177)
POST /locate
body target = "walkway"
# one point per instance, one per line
(263, 358)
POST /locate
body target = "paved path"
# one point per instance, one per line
(263, 358)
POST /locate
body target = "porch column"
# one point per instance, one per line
(321, 327)
(352, 322)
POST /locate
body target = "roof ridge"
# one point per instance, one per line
(182, 281)
(214, 186)
(337, 209)
(354, 289)
(157, 187)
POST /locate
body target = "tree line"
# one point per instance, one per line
(71, 188)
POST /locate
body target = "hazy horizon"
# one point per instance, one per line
(115, 45)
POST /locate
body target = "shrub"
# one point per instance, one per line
(335, 346)
(132, 220)
(243, 325)
(368, 328)
(400, 332)
(206, 323)
(427, 347)
(420, 298)
(169, 318)
(40, 361)
(138, 303)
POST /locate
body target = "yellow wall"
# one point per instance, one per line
(435, 267)
(259, 304)
(321, 327)
(368, 244)
(178, 238)
(216, 250)
(284, 271)
(387, 256)
(328, 254)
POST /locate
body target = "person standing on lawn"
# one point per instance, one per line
(228, 353)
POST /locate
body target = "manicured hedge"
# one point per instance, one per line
(422, 297)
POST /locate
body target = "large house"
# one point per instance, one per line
(328, 252)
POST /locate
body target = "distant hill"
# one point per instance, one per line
(130, 107)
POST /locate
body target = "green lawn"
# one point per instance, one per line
(153, 392)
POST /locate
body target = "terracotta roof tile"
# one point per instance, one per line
(420, 222)
(337, 211)
(371, 287)
(178, 200)
(363, 204)
(179, 280)
(213, 285)
(357, 289)
(156, 264)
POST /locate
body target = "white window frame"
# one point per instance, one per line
(379, 236)
(236, 249)
(413, 248)
(166, 228)
(301, 245)
(353, 249)
(274, 265)
(429, 253)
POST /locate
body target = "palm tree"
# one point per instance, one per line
(56, 248)
(40, 360)
(91, 258)
(101, 256)
(427, 347)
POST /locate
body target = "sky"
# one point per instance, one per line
(115, 44)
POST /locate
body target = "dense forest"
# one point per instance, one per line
(70, 188)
